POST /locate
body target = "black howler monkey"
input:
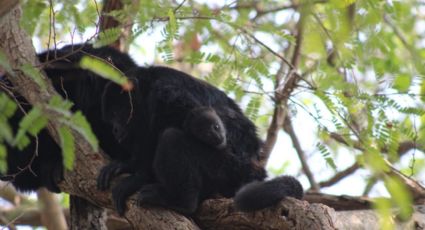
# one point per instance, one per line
(161, 99)
(188, 163)
(194, 164)
(132, 124)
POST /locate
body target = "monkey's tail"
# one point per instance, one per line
(262, 194)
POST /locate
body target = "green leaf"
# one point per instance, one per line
(35, 75)
(400, 195)
(32, 123)
(422, 91)
(383, 207)
(21, 140)
(107, 37)
(172, 23)
(68, 147)
(326, 154)
(81, 125)
(5, 132)
(253, 107)
(3, 154)
(7, 106)
(342, 3)
(105, 70)
(374, 160)
(76, 121)
(402, 82)
(61, 106)
(32, 11)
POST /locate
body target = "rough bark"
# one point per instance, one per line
(289, 214)
(85, 215)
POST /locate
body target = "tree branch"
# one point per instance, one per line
(292, 211)
(403, 148)
(301, 155)
(282, 95)
(342, 202)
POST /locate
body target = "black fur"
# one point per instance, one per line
(262, 194)
(161, 99)
(32, 167)
(132, 124)
(28, 171)
(189, 163)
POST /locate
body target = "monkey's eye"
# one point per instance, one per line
(216, 127)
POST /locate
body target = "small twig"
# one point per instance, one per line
(282, 94)
(397, 32)
(301, 155)
(403, 148)
(245, 31)
(339, 176)
(179, 6)
(369, 185)
(11, 223)
(261, 12)
(52, 18)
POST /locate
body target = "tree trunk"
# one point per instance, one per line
(85, 215)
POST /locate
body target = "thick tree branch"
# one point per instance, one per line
(289, 214)
(342, 202)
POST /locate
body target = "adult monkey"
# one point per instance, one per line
(162, 98)
(131, 127)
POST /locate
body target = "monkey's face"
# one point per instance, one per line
(206, 126)
(213, 133)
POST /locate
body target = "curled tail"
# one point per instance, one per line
(262, 194)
